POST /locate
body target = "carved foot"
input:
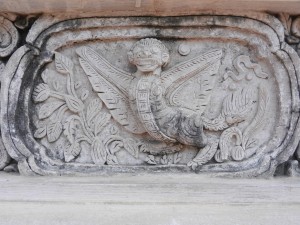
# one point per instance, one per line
(238, 153)
(221, 156)
(193, 165)
(204, 155)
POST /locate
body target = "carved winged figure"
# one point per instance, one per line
(145, 102)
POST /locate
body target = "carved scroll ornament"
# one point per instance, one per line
(9, 38)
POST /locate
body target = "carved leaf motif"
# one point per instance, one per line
(150, 160)
(112, 159)
(69, 128)
(54, 130)
(93, 108)
(40, 132)
(45, 76)
(131, 146)
(177, 157)
(98, 152)
(164, 160)
(72, 151)
(101, 121)
(47, 109)
(74, 104)
(115, 146)
(63, 64)
(41, 93)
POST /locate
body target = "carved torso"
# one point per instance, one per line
(161, 121)
(139, 95)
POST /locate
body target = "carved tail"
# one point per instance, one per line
(257, 122)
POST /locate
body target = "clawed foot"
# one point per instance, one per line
(238, 153)
(193, 165)
(221, 156)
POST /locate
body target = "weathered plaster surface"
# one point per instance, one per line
(175, 199)
(154, 102)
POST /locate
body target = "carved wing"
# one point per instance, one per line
(112, 86)
(183, 74)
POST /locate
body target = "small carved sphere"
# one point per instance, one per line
(184, 49)
(9, 37)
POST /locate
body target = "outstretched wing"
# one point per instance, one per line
(112, 86)
(202, 67)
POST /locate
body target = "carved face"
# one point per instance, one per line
(148, 55)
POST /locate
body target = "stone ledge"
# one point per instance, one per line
(148, 199)
(146, 7)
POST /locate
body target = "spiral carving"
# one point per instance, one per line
(9, 37)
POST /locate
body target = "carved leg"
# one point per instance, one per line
(204, 155)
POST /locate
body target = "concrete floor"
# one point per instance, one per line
(148, 200)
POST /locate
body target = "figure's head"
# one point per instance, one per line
(148, 55)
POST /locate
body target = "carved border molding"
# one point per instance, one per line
(9, 38)
(49, 34)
